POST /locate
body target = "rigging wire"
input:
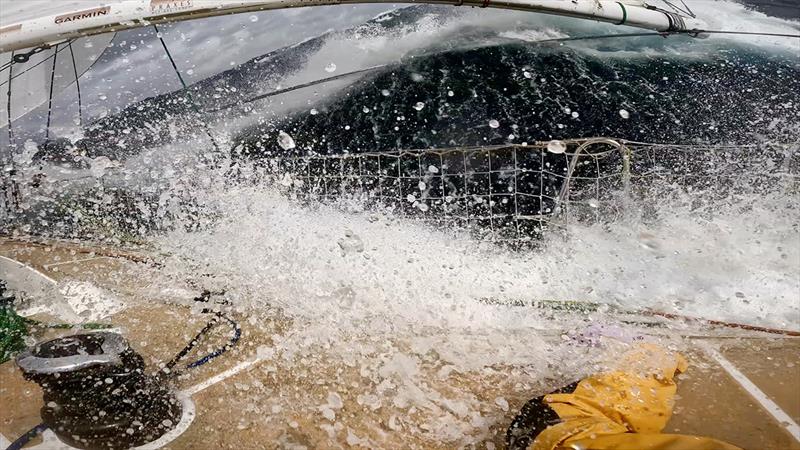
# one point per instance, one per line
(23, 57)
(237, 333)
(50, 95)
(8, 106)
(185, 87)
(300, 86)
(685, 10)
(742, 33)
(77, 84)
(18, 60)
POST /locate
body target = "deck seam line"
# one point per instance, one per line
(771, 407)
(72, 261)
(222, 376)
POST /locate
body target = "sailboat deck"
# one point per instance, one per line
(246, 399)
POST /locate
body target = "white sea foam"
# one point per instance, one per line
(733, 259)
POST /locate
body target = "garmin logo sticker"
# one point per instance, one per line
(169, 6)
(88, 14)
(10, 28)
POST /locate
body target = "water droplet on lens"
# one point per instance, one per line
(285, 141)
(494, 124)
(555, 146)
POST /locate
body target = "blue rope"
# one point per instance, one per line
(25, 438)
(237, 333)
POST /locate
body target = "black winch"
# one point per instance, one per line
(96, 392)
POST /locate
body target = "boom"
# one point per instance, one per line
(126, 14)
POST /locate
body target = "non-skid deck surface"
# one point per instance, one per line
(334, 402)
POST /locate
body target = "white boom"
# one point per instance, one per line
(126, 14)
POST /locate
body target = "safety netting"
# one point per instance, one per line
(513, 193)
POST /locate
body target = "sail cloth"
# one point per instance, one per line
(26, 86)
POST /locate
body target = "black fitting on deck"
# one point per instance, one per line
(96, 392)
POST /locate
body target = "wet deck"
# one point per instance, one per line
(249, 400)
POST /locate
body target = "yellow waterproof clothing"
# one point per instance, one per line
(624, 409)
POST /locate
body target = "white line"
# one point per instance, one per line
(770, 406)
(23, 265)
(4, 442)
(222, 376)
(48, 266)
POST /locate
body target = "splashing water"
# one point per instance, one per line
(270, 251)
(390, 295)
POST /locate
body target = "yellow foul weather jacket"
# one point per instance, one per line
(624, 409)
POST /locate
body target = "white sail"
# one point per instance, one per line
(24, 87)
